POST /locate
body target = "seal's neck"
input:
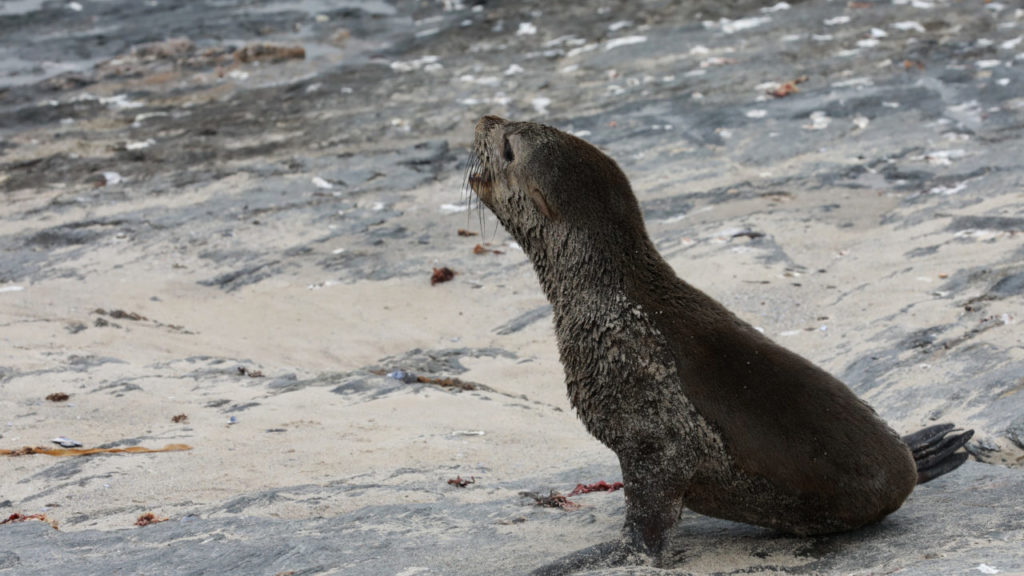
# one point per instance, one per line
(574, 265)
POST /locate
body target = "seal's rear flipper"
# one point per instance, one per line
(605, 555)
(935, 450)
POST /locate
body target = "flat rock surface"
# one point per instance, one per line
(953, 526)
(220, 221)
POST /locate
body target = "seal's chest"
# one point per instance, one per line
(620, 375)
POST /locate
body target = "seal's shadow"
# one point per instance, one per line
(698, 542)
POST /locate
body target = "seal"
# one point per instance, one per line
(703, 410)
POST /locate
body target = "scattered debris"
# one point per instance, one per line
(441, 275)
(482, 249)
(149, 518)
(29, 450)
(180, 418)
(447, 382)
(783, 90)
(467, 233)
(16, 517)
(601, 486)
(121, 314)
(269, 53)
(552, 500)
(243, 371)
(58, 397)
(460, 482)
(410, 378)
(468, 433)
(118, 315)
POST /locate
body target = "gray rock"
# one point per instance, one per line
(523, 320)
(1016, 432)
(951, 525)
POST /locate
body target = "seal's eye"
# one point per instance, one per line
(509, 156)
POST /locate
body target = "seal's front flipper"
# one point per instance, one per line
(935, 450)
(604, 555)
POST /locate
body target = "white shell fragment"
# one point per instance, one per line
(454, 208)
(624, 41)
(526, 29)
(819, 121)
(140, 145)
(908, 25)
(66, 442)
(321, 183)
(540, 104)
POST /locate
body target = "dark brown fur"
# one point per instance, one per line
(702, 410)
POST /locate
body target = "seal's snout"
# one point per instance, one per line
(478, 176)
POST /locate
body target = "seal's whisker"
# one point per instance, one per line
(466, 194)
(474, 199)
(477, 169)
(480, 215)
(472, 163)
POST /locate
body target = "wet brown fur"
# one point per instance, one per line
(703, 410)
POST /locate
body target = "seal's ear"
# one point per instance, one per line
(542, 205)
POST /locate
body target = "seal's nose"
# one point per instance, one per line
(488, 123)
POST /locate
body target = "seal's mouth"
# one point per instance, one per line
(481, 184)
(478, 177)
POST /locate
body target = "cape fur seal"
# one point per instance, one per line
(702, 410)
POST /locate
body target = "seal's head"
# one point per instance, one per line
(546, 186)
